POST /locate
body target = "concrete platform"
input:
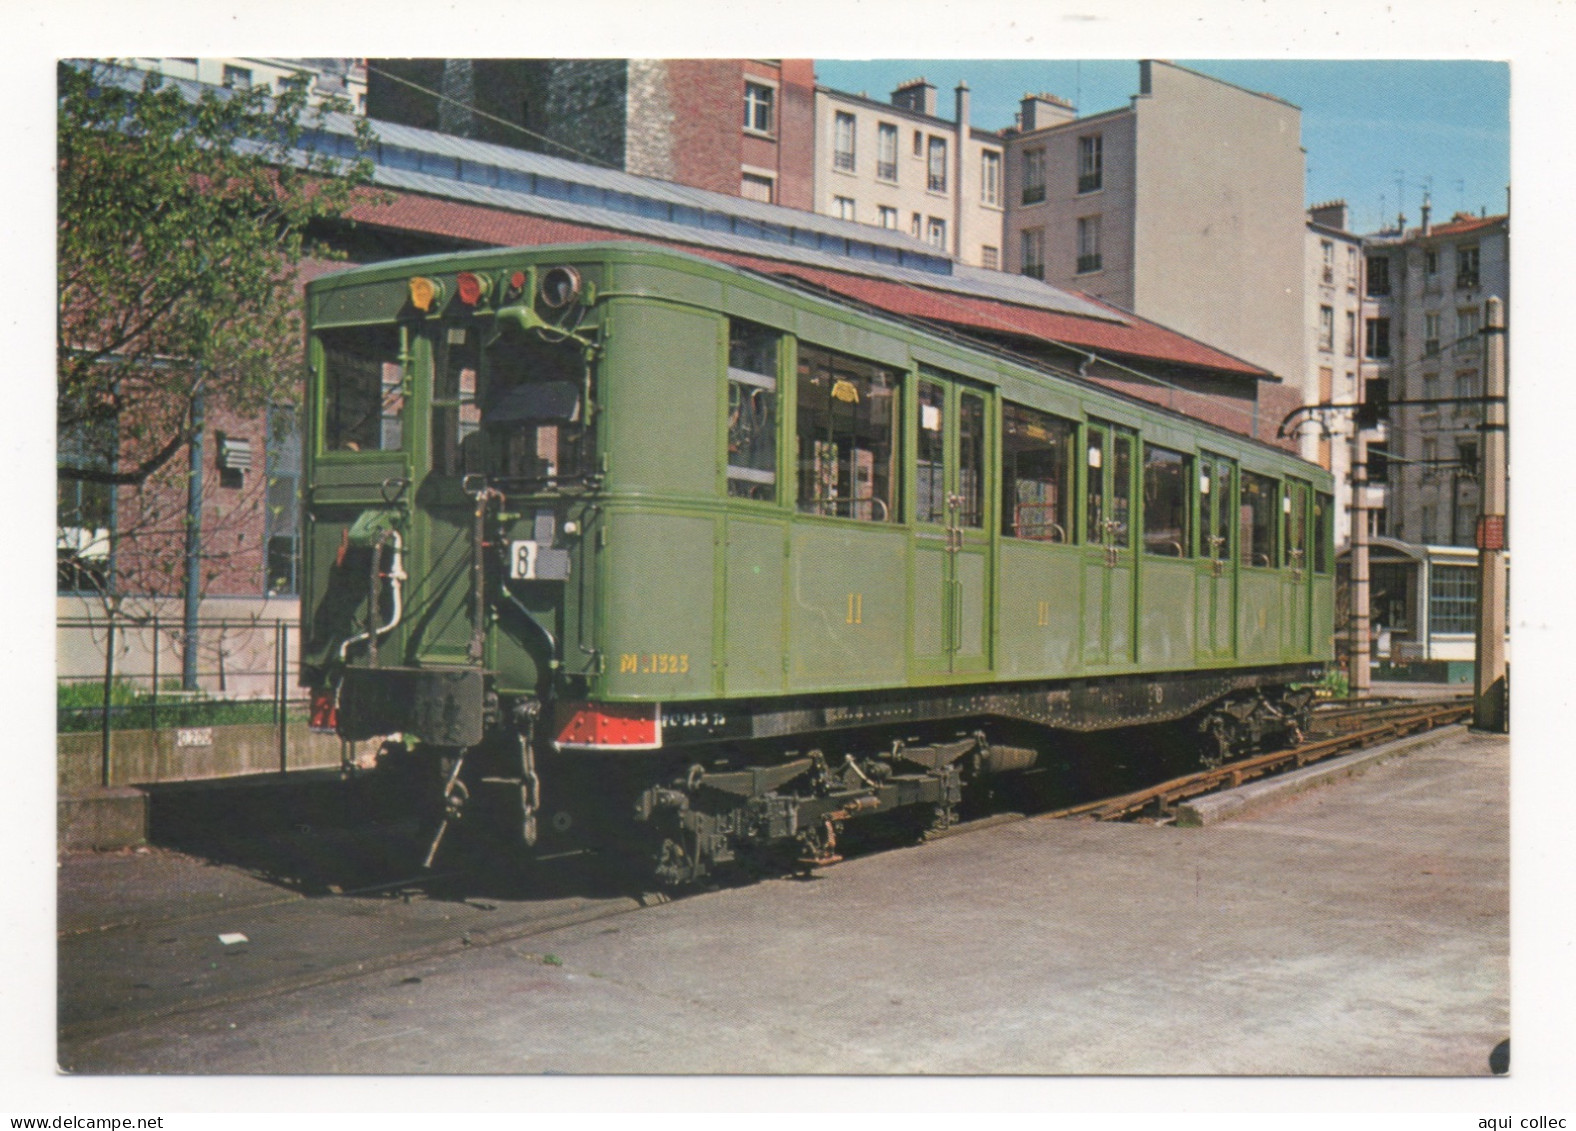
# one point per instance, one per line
(1358, 929)
(102, 819)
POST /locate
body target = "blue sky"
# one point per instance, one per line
(1367, 125)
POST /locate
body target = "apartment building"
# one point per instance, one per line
(1427, 287)
(1185, 206)
(900, 165)
(324, 78)
(1334, 326)
(738, 126)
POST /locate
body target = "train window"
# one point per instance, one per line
(1256, 520)
(1323, 532)
(1168, 528)
(363, 391)
(455, 414)
(752, 411)
(971, 460)
(1036, 475)
(1294, 531)
(1121, 489)
(930, 462)
(532, 414)
(1094, 492)
(847, 429)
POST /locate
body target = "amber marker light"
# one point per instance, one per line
(424, 292)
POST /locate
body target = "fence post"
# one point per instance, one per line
(281, 660)
(109, 684)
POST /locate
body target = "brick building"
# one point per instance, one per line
(740, 126)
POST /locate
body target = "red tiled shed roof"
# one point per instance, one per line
(1132, 337)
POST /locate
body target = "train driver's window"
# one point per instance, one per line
(1323, 530)
(1168, 528)
(1036, 475)
(455, 414)
(848, 422)
(532, 411)
(363, 389)
(1256, 520)
(752, 411)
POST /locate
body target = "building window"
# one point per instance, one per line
(1467, 457)
(1351, 334)
(1351, 268)
(1327, 255)
(1428, 523)
(1088, 244)
(758, 101)
(752, 412)
(1378, 343)
(990, 177)
(1466, 386)
(84, 512)
(919, 144)
(936, 178)
(1431, 262)
(886, 152)
(756, 187)
(1452, 598)
(1090, 172)
(1327, 329)
(848, 428)
(916, 224)
(237, 78)
(1378, 276)
(936, 232)
(282, 517)
(1033, 176)
(843, 142)
(1467, 329)
(1466, 267)
(887, 216)
(990, 258)
(1430, 334)
(1430, 390)
(844, 206)
(1036, 475)
(1032, 260)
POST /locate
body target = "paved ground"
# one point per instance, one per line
(1358, 929)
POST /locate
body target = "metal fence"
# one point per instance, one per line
(127, 674)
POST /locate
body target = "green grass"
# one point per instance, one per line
(78, 707)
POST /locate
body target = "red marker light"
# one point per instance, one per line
(517, 280)
(470, 287)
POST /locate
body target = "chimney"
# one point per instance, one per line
(1042, 110)
(1331, 214)
(961, 105)
(1427, 208)
(917, 95)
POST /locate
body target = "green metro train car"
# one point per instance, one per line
(629, 547)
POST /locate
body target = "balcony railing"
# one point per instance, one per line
(1088, 182)
(1087, 263)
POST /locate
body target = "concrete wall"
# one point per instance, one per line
(144, 757)
(1219, 221)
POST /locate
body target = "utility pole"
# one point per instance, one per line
(193, 547)
(1359, 675)
(1490, 690)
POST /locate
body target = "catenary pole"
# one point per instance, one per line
(1360, 676)
(1490, 690)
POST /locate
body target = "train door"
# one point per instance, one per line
(1217, 578)
(1110, 554)
(444, 615)
(1295, 575)
(951, 535)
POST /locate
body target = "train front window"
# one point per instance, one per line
(455, 414)
(848, 423)
(533, 413)
(363, 389)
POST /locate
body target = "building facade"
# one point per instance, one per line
(1185, 207)
(900, 165)
(1334, 321)
(325, 78)
(1427, 288)
(739, 126)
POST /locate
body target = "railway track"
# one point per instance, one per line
(413, 938)
(1342, 729)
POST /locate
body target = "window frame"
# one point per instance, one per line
(1091, 163)
(990, 178)
(845, 142)
(1021, 415)
(758, 96)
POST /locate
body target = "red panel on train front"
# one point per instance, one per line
(609, 726)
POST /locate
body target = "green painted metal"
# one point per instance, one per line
(677, 592)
